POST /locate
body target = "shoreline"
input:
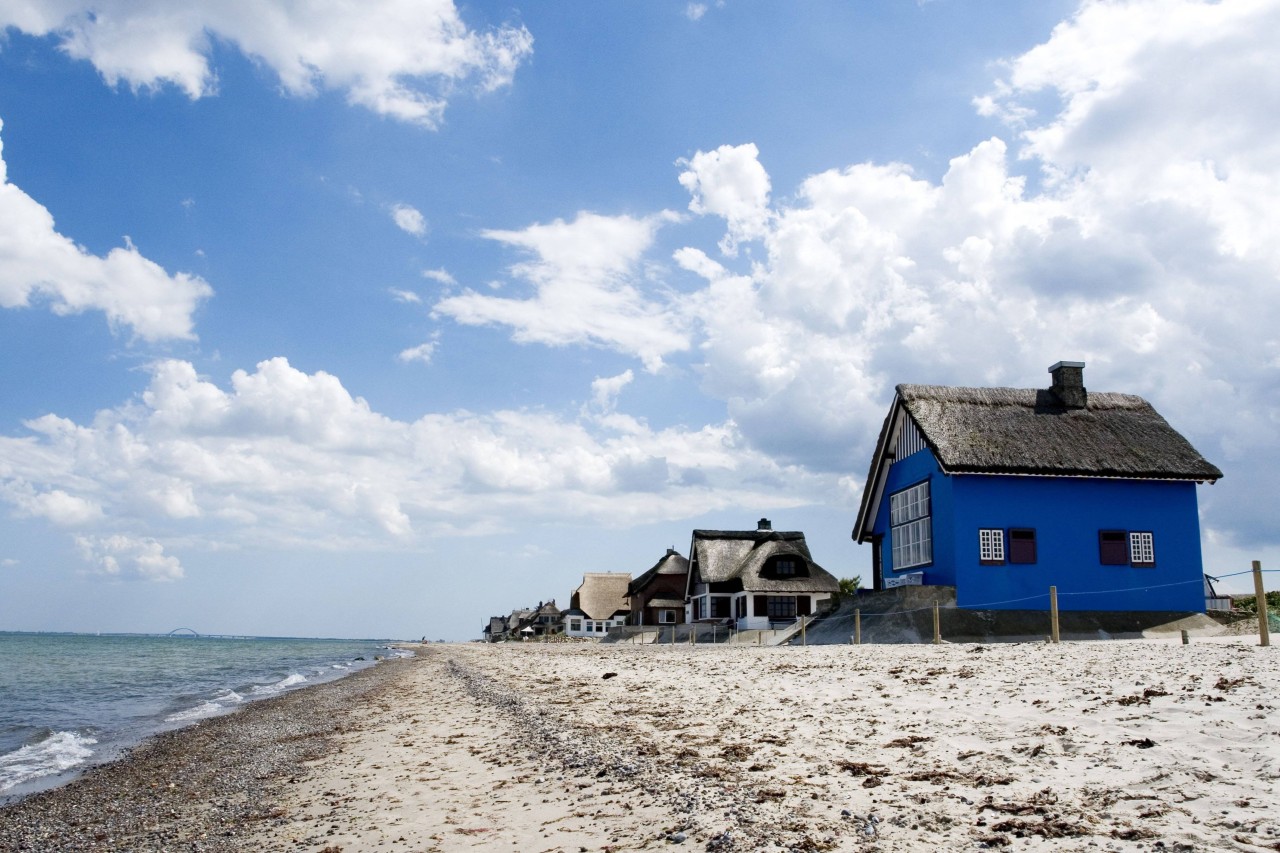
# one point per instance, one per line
(197, 786)
(1100, 747)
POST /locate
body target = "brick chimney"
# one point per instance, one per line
(1068, 384)
(764, 524)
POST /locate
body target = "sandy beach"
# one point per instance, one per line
(1100, 746)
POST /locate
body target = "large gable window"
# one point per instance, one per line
(909, 527)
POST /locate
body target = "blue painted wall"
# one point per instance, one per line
(1067, 514)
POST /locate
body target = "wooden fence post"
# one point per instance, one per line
(1053, 614)
(857, 627)
(1264, 630)
(803, 623)
(937, 626)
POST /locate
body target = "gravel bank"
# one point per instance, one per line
(201, 788)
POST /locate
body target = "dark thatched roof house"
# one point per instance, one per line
(1004, 492)
(657, 596)
(754, 578)
(496, 630)
(599, 604)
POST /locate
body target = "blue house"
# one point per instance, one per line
(1004, 492)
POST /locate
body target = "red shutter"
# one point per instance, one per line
(1113, 548)
(803, 605)
(761, 605)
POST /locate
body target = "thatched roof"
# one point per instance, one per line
(728, 555)
(602, 594)
(519, 617)
(671, 563)
(1030, 431)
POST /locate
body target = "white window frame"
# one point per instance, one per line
(666, 617)
(911, 527)
(991, 545)
(908, 504)
(1142, 548)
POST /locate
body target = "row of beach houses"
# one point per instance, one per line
(997, 492)
(745, 579)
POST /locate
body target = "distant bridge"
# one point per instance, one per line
(182, 632)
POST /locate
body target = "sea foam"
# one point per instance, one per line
(281, 685)
(211, 708)
(58, 752)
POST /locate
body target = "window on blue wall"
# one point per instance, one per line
(1142, 548)
(1127, 548)
(991, 546)
(1022, 545)
(1113, 548)
(909, 527)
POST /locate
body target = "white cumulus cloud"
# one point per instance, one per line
(129, 558)
(409, 219)
(589, 287)
(399, 58)
(440, 276)
(730, 182)
(283, 458)
(38, 265)
(422, 353)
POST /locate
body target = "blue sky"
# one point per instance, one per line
(382, 320)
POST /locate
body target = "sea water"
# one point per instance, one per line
(71, 700)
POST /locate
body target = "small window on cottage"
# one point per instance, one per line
(1113, 548)
(666, 617)
(782, 607)
(575, 624)
(719, 607)
(1142, 549)
(991, 546)
(785, 566)
(1022, 545)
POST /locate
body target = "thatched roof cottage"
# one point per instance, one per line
(1004, 492)
(754, 578)
(657, 596)
(598, 604)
